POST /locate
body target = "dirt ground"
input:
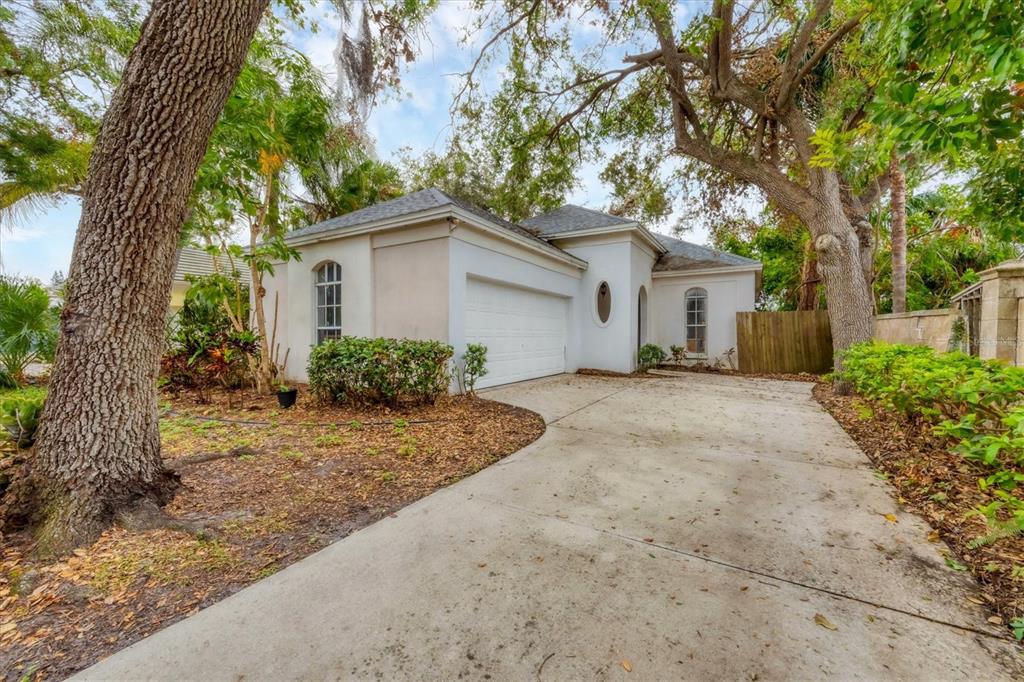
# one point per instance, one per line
(941, 486)
(306, 477)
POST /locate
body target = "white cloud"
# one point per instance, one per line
(19, 234)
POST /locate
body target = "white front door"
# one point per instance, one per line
(525, 331)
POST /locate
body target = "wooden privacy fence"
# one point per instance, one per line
(784, 342)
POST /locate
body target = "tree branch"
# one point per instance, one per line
(797, 49)
(823, 49)
(468, 75)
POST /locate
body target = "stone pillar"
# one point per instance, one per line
(1002, 291)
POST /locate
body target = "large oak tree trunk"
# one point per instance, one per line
(898, 208)
(841, 268)
(98, 448)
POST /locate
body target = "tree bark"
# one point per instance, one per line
(898, 209)
(840, 266)
(809, 279)
(98, 448)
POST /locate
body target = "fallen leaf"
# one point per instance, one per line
(975, 600)
(995, 620)
(481, 565)
(6, 627)
(648, 539)
(933, 536)
(891, 518)
(627, 666)
(824, 622)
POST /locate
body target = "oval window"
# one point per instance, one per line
(604, 302)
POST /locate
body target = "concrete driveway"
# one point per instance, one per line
(694, 527)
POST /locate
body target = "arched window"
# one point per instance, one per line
(328, 302)
(697, 321)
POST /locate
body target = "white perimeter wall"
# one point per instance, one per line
(728, 293)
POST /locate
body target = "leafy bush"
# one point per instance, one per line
(650, 355)
(28, 326)
(474, 365)
(977, 403)
(204, 347)
(19, 415)
(379, 371)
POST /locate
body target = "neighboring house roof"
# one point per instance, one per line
(682, 256)
(193, 261)
(571, 218)
(418, 202)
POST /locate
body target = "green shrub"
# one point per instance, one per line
(979, 404)
(379, 371)
(650, 355)
(474, 365)
(19, 415)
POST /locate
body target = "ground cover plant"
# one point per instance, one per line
(948, 430)
(275, 486)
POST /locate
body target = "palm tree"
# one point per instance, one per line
(28, 326)
(342, 178)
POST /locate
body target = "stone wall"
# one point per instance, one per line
(919, 328)
(1002, 294)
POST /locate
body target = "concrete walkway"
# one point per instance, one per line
(695, 527)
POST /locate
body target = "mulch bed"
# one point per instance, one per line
(311, 475)
(942, 487)
(778, 376)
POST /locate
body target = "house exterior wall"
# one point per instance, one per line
(641, 260)
(293, 283)
(606, 345)
(728, 294)
(410, 283)
(474, 254)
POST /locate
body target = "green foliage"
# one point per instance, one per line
(59, 62)
(340, 178)
(205, 349)
(474, 365)
(945, 252)
(979, 404)
(379, 371)
(780, 247)
(19, 414)
(649, 355)
(28, 326)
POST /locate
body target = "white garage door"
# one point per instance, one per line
(524, 331)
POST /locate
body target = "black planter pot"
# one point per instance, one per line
(287, 398)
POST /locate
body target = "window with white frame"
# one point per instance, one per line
(697, 321)
(328, 302)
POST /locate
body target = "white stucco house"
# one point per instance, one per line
(573, 288)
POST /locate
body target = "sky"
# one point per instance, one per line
(416, 118)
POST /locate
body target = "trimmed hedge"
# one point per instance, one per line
(380, 371)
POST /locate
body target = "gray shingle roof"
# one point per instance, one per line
(682, 256)
(423, 200)
(193, 261)
(571, 218)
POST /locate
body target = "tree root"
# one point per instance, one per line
(147, 515)
(177, 465)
